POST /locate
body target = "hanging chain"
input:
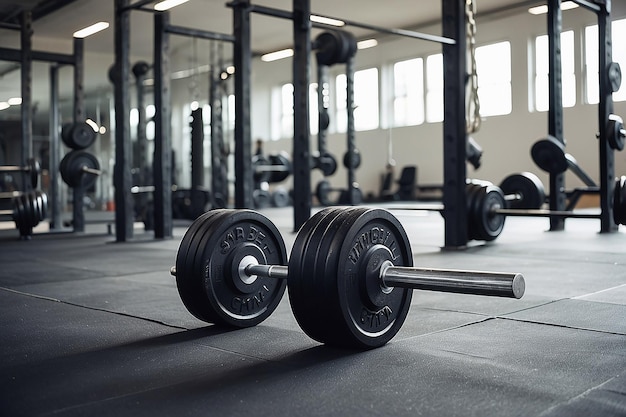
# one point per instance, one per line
(473, 106)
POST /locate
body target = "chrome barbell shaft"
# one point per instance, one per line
(496, 284)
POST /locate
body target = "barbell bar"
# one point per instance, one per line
(350, 274)
(32, 167)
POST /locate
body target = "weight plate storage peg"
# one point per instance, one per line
(209, 267)
(79, 168)
(78, 136)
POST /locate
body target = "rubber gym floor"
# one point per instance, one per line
(93, 327)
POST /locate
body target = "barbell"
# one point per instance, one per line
(32, 167)
(79, 169)
(350, 274)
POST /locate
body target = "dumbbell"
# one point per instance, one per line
(79, 169)
(350, 274)
(32, 167)
(323, 189)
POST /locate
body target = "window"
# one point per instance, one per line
(493, 65)
(408, 101)
(365, 100)
(618, 36)
(434, 88)
(286, 112)
(568, 75)
(313, 112)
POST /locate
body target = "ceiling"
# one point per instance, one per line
(54, 21)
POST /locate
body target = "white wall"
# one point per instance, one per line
(506, 140)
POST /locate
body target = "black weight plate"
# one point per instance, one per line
(261, 199)
(614, 72)
(327, 164)
(227, 239)
(283, 167)
(72, 165)
(141, 68)
(35, 171)
(613, 130)
(355, 240)
(324, 120)
(487, 224)
(66, 133)
(528, 187)
(83, 136)
(327, 45)
(42, 198)
(189, 286)
(306, 285)
(471, 189)
(322, 192)
(280, 198)
(619, 200)
(352, 160)
(549, 155)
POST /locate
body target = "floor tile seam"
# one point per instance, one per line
(576, 397)
(69, 303)
(562, 326)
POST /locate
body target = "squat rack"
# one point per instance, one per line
(25, 56)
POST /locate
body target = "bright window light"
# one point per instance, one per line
(15, 101)
(367, 43)
(275, 56)
(4, 105)
(168, 4)
(90, 30)
(93, 125)
(543, 9)
(327, 21)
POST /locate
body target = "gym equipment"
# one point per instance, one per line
(615, 132)
(614, 78)
(32, 167)
(352, 160)
(79, 169)
(28, 210)
(190, 203)
(325, 162)
(619, 201)
(334, 47)
(323, 190)
(549, 155)
(275, 168)
(280, 197)
(523, 191)
(350, 274)
(78, 136)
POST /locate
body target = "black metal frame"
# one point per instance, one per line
(557, 192)
(25, 56)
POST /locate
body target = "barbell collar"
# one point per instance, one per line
(495, 284)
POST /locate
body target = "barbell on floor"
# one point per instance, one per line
(349, 276)
(32, 167)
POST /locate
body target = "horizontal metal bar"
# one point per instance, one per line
(10, 26)
(15, 55)
(270, 11)
(198, 33)
(135, 6)
(6, 195)
(546, 213)
(268, 271)
(496, 284)
(589, 5)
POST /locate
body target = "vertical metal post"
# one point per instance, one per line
(301, 138)
(605, 108)
(350, 130)
(121, 173)
(322, 106)
(56, 202)
(197, 149)
(162, 164)
(454, 133)
(555, 111)
(26, 83)
(78, 193)
(141, 156)
(219, 161)
(243, 142)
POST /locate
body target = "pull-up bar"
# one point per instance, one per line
(283, 14)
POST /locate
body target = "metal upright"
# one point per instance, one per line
(301, 138)
(454, 129)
